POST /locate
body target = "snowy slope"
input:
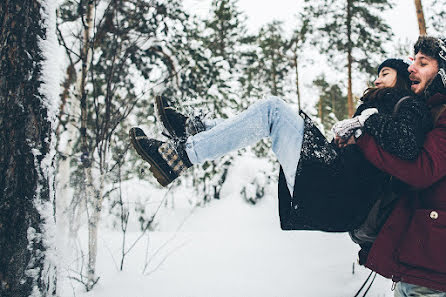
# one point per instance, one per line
(230, 248)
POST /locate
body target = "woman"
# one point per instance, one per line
(321, 186)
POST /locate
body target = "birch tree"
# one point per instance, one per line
(111, 45)
(274, 64)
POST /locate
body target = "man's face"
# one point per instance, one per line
(422, 72)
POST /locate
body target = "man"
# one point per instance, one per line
(411, 246)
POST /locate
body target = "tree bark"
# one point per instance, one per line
(420, 17)
(85, 56)
(349, 59)
(25, 137)
(274, 75)
(319, 110)
(296, 66)
(93, 195)
(94, 216)
(333, 103)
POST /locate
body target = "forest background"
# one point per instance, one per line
(105, 227)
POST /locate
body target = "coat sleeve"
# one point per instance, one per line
(401, 134)
(422, 172)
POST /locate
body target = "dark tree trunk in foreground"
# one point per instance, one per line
(25, 133)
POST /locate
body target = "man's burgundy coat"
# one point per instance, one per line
(411, 246)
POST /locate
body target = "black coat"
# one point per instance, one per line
(335, 188)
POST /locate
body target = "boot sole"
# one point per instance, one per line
(163, 117)
(157, 172)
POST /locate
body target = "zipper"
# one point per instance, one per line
(395, 280)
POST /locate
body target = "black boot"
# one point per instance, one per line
(177, 125)
(167, 159)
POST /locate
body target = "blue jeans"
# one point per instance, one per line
(269, 117)
(408, 290)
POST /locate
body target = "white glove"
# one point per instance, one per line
(365, 114)
(347, 128)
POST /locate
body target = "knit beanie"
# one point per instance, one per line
(399, 65)
(435, 48)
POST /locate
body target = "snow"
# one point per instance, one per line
(51, 77)
(53, 63)
(226, 248)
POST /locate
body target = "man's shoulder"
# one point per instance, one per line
(439, 114)
(437, 105)
(436, 99)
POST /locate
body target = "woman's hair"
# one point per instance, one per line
(401, 83)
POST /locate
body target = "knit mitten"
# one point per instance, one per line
(346, 128)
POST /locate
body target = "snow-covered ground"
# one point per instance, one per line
(227, 248)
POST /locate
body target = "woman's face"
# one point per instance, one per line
(386, 78)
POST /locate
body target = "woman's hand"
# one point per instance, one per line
(344, 142)
(346, 128)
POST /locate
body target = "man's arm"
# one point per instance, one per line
(401, 134)
(426, 169)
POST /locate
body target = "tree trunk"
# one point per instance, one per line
(319, 111)
(94, 215)
(274, 75)
(26, 204)
(420, 17)
(92, 195)
(349, 59)
(65, 205)
(85, 57)
(296, 66)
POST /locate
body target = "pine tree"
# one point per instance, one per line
(295, 47)
(402, 48)
(224, 35)
(224, 29)
(352, 34)
(438, 15)
(273, 62)
(250, 78)
(265, 64)
(331, 105)
(26, 202)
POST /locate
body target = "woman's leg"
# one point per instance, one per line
(267, 118)
(209, 124)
